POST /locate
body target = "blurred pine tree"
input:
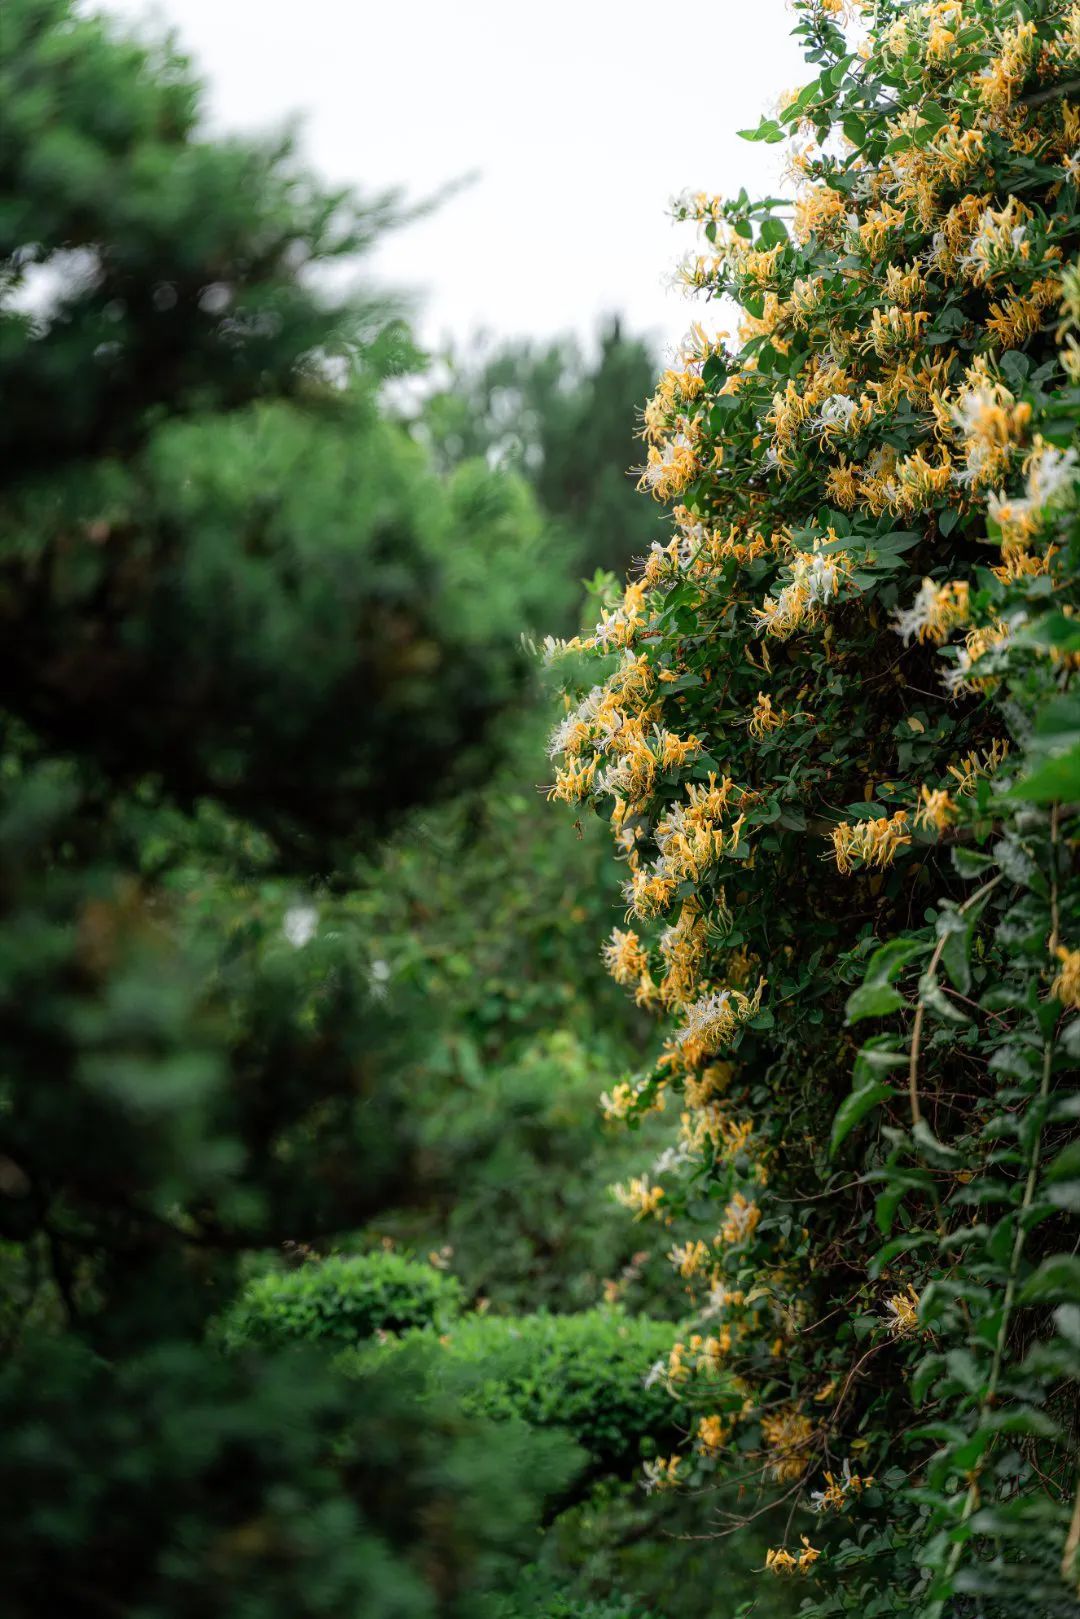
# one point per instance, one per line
(563, 419)
(241, 637)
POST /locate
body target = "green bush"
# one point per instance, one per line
(342, 1299)
(508, 1158)
(569, 1608)
(584, 1374)
(564, 1606)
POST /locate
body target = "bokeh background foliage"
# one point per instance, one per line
(302, 1032)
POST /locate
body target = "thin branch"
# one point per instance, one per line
(1065, 88)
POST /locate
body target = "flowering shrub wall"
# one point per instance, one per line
(833, 724)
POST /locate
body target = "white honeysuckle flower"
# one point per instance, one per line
(820, 575)
(656, 470)
(552, 648)
(836, 411)
(1052, 473)
(704, 1014)
(656, 1373)
(669, 1159)
(911, 621)
(560, 735)
(583, 714)
(718, 1300)
(968, 409)
(1005, 509)
(956, 676)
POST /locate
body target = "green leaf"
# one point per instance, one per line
(721, 409)
(876, 997)
(1023, 1419)
(969, 862)
(1057, 1280)
(955, 957)
(933, 996)
(899, 1245)
(1066, 1166)
(1067, 1321)
(768, 130)
(957, 931)
(1056, 778)
(1053, 632)
(1014, 368)
(935, 1150)
(933, 114)
(855, 1107)
(773, 232)
(876, 1058)
(873, 1000)
(924, 1374)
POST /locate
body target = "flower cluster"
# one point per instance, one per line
(780, 1561)
(840, 1489)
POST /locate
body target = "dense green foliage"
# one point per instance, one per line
(174, 1483)
(481, 909)
(564, 1607)
(266, 717)
(216, 513)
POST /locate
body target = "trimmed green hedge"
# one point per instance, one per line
(584, 1374)
(566, 1607)
(343, 1300)
(570, 1608)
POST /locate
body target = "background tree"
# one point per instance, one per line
(565, 420)
(240, 639)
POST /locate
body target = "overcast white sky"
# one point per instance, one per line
(581, 117)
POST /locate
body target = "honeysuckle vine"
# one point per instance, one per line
(833, 724)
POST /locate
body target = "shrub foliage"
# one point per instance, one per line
(587, 1375)
(343, 1299)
